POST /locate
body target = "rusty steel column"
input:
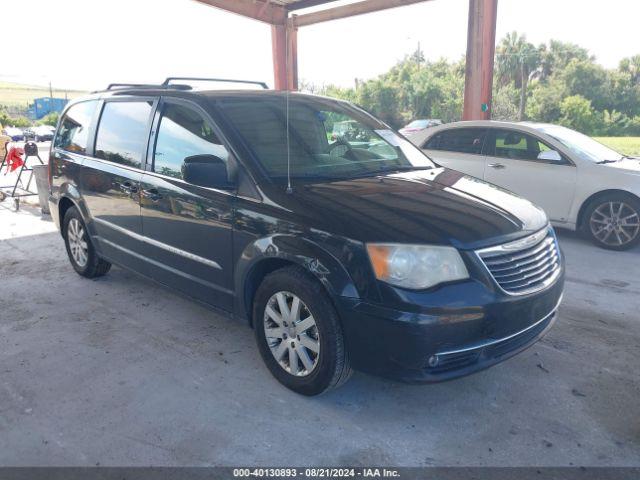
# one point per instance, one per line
(284, 42)
(481, 44)
(279, 52)
(292, 60)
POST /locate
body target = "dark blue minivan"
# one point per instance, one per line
(340, 251)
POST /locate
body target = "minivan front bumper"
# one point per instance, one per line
(437, 344)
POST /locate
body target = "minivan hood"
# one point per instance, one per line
(437, 206)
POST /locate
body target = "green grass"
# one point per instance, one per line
(626, 145)
(15, 94)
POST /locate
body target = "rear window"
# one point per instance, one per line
(73, 134)
(463, 140)
(123, 132)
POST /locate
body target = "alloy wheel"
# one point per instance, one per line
(292, 334)
(77, 242)
(615, 223)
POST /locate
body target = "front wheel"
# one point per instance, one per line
(82, 254)
(299, 333)
(613, 222)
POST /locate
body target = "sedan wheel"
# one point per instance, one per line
(292, 334)
(615, 223)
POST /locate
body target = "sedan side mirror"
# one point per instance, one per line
(206, 171)
(550, 156)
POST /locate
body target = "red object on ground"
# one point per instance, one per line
(14, 159)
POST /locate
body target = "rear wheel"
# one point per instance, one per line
(82, 254)
(299, 334)
(613, 222)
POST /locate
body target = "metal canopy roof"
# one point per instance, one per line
(277, 12)
(299, 4)
(286, 16)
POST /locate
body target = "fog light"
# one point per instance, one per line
(433, 361)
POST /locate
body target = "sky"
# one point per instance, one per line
(88, 44)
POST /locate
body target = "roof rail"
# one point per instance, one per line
(113, 86)
(167, 82)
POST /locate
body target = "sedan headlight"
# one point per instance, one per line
(416, 266)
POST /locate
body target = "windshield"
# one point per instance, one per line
(327, 139)
(582, 145)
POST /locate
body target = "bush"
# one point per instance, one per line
(50, 119)
(577, 113)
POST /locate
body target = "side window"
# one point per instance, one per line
(463, 140)
(517, 145)
(434, 142)
(122, 132)
(73, 134)
(183, 133)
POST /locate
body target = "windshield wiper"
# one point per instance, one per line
(608, 161)
(404, 168)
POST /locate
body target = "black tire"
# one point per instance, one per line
(94, 265)
(593, 221)
(333, 368)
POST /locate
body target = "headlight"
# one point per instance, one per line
(416, 266)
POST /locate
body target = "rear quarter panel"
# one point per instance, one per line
(65, 168)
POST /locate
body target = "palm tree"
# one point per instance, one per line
(517, 61)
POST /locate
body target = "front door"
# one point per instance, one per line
(187, 227)
(512, 163)
(110, 180)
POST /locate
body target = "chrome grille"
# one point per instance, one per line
(526, 265)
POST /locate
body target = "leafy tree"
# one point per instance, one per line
(505, 103)
(588, 80)
(631, 66)
(577, 113)
(518, 61)
(556, 83)
(546, 98)
(555, 57)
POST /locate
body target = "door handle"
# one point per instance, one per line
(152, 194)
(497, 166)
(128, 187)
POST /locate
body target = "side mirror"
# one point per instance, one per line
(550, 156)
(206, 171)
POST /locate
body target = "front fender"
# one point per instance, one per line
(288, 249)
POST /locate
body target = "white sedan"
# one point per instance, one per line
(580, 183)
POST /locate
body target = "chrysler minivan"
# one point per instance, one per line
(340, 255)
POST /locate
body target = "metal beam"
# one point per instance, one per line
(262, 10)
(481, 44)
(358, 8)
(300, 4)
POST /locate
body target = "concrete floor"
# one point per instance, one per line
(119, 371)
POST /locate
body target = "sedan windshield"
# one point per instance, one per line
(319, 138)
(580, 144)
